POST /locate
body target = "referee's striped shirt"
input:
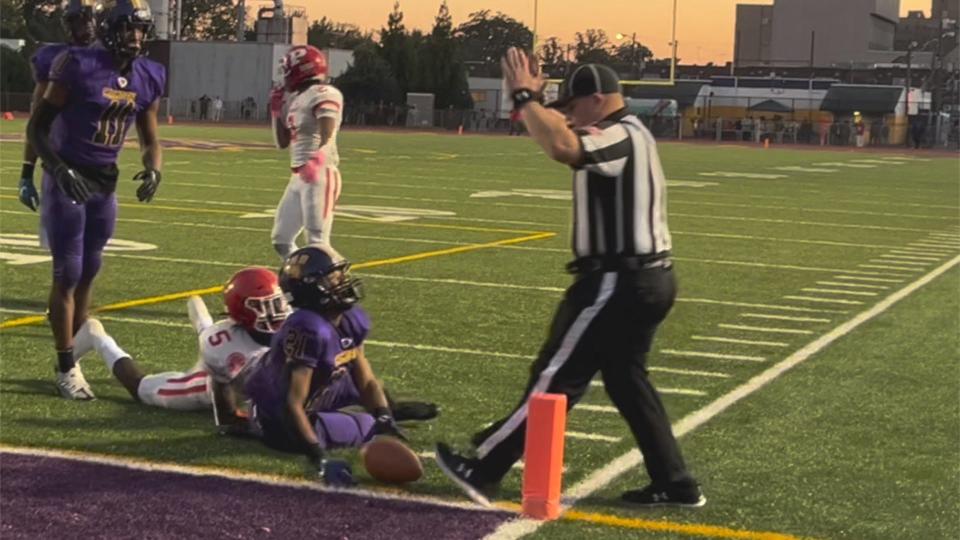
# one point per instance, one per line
(619, 191)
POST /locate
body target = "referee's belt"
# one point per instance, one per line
(628, 263)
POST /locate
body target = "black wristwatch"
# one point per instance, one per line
(522, 96)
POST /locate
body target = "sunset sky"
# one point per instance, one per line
(705, 28)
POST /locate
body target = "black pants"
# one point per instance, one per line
(606, 323)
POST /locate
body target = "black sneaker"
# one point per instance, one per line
(655, 497)
(462, 471)
(404, 411)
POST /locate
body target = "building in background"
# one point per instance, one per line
(816, 33)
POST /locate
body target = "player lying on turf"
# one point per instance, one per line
(227, 350)
(316, 367)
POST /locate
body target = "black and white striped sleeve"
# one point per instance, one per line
(605, 151)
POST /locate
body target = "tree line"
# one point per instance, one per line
(387, 64)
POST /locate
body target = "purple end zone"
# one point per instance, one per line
(46, 497)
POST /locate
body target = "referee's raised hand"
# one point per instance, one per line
(520, 71)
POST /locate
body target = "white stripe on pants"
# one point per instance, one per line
(570, 340)
(307, 206)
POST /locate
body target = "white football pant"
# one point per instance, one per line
(306, 206)
(176, 390)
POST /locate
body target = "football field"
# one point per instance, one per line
(810, 365)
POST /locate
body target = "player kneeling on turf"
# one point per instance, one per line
(316, 367)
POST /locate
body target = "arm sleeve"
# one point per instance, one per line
(605, 151)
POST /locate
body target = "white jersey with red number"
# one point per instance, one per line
(227, 350)
(304, 111)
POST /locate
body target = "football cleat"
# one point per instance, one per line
(72, 385)
(655, 497)
(462, 471)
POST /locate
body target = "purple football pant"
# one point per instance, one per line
(77, 232)
(334, 427)
(342, 429)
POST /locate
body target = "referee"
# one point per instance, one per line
(623, 288)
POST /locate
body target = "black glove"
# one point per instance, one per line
(333, 472)
(28, 193)
(150, 179)
(72, 184)
(386, 425)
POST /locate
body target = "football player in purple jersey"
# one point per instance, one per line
(93, 96)
(316, 367)
(79, 18)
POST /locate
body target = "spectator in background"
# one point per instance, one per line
(861, 131)
(217, 109)
(204, 106)
(248, 107)
(747, 128)
(824, 130)
(917, 130)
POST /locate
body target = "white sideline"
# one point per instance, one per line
(602, 477)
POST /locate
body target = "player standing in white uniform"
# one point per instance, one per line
(307, 114)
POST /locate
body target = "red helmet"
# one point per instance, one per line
(302, 63)
(254, 300)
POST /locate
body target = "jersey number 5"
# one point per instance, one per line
(218, 338)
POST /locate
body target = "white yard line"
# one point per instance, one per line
(712, 355)
(596, 408)
(592, 437)
(630, 460)
(783, 266)
(796, 309)
(895, 263)
(860, 278)
(783, 317)
(835, 291)
(914, 251)
(855, 285)
(910, 258)
(690, 372)
(660, 390)
(935, 245)
(740, 341)
(763, 329)
(461, 282)
(887, 267)
(823, 300)
(794, 222)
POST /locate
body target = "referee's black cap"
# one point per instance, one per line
(586, 80)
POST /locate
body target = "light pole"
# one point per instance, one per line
(634, 60)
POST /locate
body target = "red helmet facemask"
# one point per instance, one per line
(303, 63)
(254, 300)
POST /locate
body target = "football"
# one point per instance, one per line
(388, 460)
